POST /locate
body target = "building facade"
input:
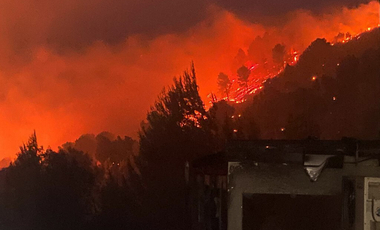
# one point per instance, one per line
(278, 184)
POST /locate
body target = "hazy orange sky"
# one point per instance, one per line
(74, 67)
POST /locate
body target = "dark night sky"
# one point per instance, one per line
(76, 24)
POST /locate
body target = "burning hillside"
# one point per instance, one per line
(237, 90)
(74, 67)
(330, 93)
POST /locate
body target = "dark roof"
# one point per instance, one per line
(284, 151)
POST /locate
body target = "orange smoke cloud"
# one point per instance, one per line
(111, 86)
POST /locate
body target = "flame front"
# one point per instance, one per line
(260, 73)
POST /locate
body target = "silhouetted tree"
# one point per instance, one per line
(243, 75)
(278, 54)
(23, 187)
(179, 130)
(222, 113)
(224, 84)
(256, 51)
(85, 143)
(114, 150)
(49, 190)
(239, 59)
(71, 186)
(120, 206)
(118, 203)
(103, 148)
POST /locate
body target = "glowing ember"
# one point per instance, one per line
(261, 72)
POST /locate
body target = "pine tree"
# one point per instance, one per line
(178, 130)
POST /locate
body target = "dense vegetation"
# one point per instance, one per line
(107, 182)
(331, 93)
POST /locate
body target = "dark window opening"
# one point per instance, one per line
(291, 212)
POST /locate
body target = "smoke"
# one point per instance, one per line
(71, 67)
(269, 11)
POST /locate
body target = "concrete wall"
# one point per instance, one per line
(284, 179)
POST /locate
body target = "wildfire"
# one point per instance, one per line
(260, 73)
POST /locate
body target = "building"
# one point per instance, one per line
(281, 184)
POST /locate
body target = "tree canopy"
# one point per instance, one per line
(179, 129)
(243, 74)
(224, 84)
